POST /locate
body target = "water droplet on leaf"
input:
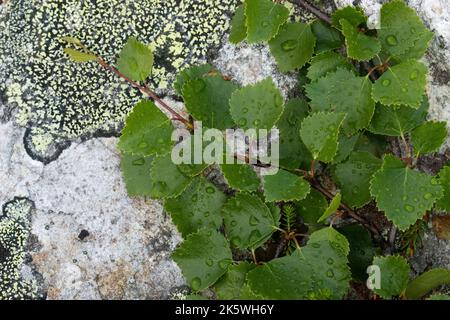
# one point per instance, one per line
(196, 283)
(139, 162)
(289, 45)
(391, 40)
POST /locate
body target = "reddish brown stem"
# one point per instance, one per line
(313, 9)
(350, 212)
(148, 92)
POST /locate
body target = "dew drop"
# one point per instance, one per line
(330, 273)
(254, 236)
(409, 208)
(386, 82)
(392, 40)
(223, 264)
(194, 198)
(256, 122)
(316, 245)
(206, 214)
(236, 241)
(242, 122)
(209, 262)
(245, 110)
(142, 145)
(414, 75)
(139, 162)
(253, 221)
(289, 45)
(210, 190)
(264, 24)
(427, 196)
(330, 261)
(196, 283)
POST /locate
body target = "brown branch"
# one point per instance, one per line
(313, 9)
(375, 232)
(148, 92)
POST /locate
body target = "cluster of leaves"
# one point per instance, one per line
(336, 132)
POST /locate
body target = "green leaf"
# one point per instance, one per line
(147, 131)
(196, 297)
(190, 74)
(72, 40)
(248, 221)
(327, 38)
(203, 258)
(444, 180)
(402, 193)
(354, 15)
(192, 170)
(199, 206)
(257, 106)
(206, 98)
(353, 177)
(229, 287)
(345, 147)
(167, 179)
(398, 120)
(371, 143)
(343, 91)
(136, 173)
(426, 282)
(238, 30)
(359, 46)
(285, 186)
(264, 19)
(293, 153)
(332, 208)
(135, 60)
(320, 132)
(402, 84)
(241, 177)
(325, 63)
(439, 297)
(293, 46)
(362, 250)
(317, 271)
(429, 137)
(402, 32)
(79, 56)
(394, 275)
(312, 207)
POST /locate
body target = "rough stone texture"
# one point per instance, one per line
(127, 252)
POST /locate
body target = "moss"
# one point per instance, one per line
(14, 232)
(60, 100)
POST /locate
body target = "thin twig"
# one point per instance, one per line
(350, 212)
(148, 92)
(313, 9)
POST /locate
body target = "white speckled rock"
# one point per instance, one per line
(127, 252)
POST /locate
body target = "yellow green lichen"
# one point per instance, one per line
(14, 231)
(63, 100)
